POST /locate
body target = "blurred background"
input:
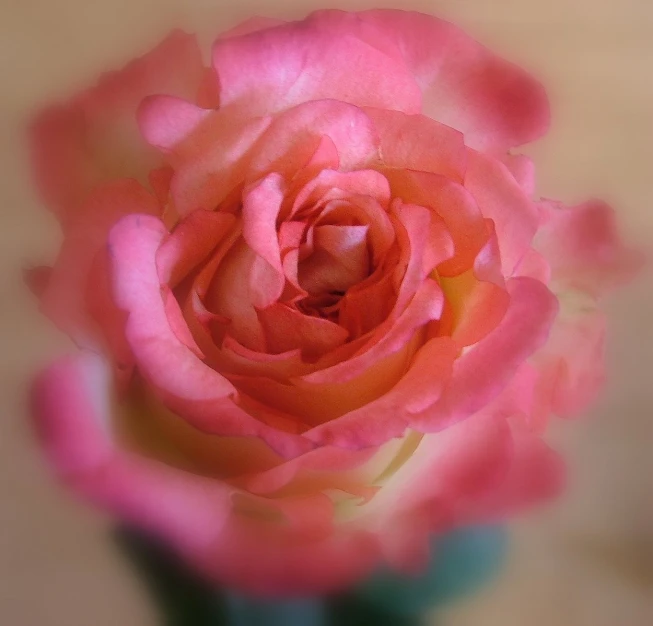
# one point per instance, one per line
(585, 560)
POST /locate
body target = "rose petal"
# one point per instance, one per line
(535, 473)
(425, 306)
(191, 388)
(501, 199)
(417, 142)
(213, 160)
(339, 260)
(294, 136)
(486, 368)
(572, 364)
(64, 298)
(390, 415)
(190, 243)
(243, 283)
(286, 329)
(522, 169)
(277, 68)
(285, 563)
(72, 411)
(477, 298)
(330, 184)
(261, 205)
(495, 104)
(451, 202)
(94, 138)
(583, 247)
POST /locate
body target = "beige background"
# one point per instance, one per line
(586, 560)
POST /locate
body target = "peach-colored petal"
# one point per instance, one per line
(193, 389)
(286, 329)
(454, 204)
(477, 298)
(216, 165)
(364, 307)
(108, 319)
(261, 205)
(145, 426)
(190, 243)
(535, 265)
(336, 463)
(495, 104)
(366, 210)
(425, 306)
(134, 242)
(331, 184)
(448, 470)
(160, 179)
(94, 137)
(165, 121)
(390, 415)
(317, 402)
(424, 243)
(461, 461)
(244, 282)
(339, 260)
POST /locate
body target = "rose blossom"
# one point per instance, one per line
(313, 295)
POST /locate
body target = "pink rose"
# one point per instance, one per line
(313, 295)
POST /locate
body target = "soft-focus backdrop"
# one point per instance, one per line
(585, 560)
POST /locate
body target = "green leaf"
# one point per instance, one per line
(461, 562)
(353, 610)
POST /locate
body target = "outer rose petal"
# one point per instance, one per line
(482, 372)
(583, 247)
(209, 149)
(572, 364)
(63, 299)
(267, 563)
(501, 199)
(73, 410)
(274, 69)
(460, 464)
(522, 169)
(94, 137)
(535, 473)
(252, 25)
(495, 104)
